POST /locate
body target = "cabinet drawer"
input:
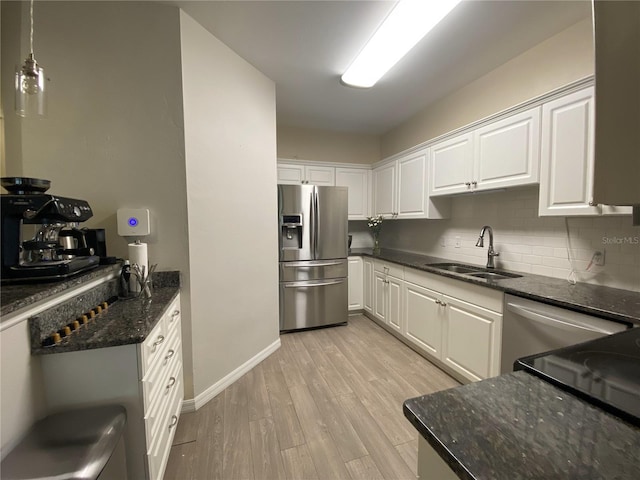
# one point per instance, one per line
(154, 415)
(153, 346)
(158, 454)
(173, 316)
(158, 374)
(388, 268)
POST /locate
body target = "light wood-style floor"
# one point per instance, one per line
(327, 405)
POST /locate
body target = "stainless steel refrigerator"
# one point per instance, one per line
(313, 256)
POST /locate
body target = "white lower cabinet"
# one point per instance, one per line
(367, 288)
(470, 339)
(423, 318)
(356, 283)
(454, 322)
(387, 304)
(146, 378)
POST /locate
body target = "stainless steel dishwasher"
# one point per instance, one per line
(531, 327)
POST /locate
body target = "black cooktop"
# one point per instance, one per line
(605, 371)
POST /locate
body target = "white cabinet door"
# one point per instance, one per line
(394, 291)
(357, 181)
(452, 165)
(566, 169)
(471, 339)
(295, 174)
(380, 296)
(423, 318)
(355, 282)
(507, 152)
(319, 175)
(412, 185)
(367, 264)
(384, 181)
(289, 174)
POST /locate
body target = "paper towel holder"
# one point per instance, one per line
(133, 222)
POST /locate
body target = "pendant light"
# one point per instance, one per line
(30, 83)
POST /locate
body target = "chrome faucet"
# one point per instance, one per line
(480, 243)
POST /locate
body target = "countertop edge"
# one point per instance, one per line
(443, 452)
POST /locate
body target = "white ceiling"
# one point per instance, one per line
(304, 46)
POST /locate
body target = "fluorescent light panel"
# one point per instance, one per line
(408, 22)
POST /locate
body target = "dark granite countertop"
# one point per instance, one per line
(124, 322)
(517, 426)
(606, 302)
(14, 297)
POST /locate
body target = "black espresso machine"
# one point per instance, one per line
(54, 248)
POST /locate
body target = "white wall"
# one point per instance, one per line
(557, 61)
(526, 242)
(327, 146)
(230, 144)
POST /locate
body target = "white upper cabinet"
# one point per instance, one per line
(566, 170)
(567, 161)
(294, 174)
(412, 186)
(357, 181)
(507, 152)
(384, 190)
(401, 189)
(501, 154)
(452, 165)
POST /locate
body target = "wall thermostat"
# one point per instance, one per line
(133, 222)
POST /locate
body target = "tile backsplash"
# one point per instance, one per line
(526, 242)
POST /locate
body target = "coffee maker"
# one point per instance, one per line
(56, 248)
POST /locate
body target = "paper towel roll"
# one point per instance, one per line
(138, 255)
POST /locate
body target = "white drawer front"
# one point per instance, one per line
(159, 372)
(165, 387)
(153, 346)
(158, 454)
(389, 268)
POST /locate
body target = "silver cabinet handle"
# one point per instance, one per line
(157, 342)
(468, 184)
(170, 354)
(441, 303)
(175, 314)
(174, 421)
(474, 183)
(172, 382)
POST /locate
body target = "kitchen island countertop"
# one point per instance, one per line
(517, 426)
(606, 302)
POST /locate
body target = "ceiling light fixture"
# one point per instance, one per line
(30, 83)
(408, 22)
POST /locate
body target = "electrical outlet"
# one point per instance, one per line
(457, 242)
(598, 258)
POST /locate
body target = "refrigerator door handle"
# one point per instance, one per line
(316, 222)
(312, 263)
(313, 284)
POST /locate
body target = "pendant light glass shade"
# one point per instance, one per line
(31, 98)
(30, 89)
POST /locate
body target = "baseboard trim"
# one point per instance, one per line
(194, 404)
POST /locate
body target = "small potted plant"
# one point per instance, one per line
(375, 224)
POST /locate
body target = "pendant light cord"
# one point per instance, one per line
(31, 31)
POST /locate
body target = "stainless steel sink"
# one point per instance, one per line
(471, 271)
(494, 275)
(455, 267)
